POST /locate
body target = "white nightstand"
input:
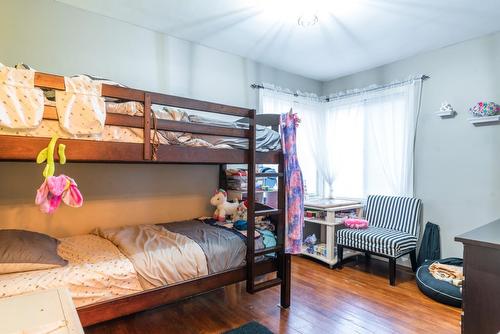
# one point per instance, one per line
(329, 225)
(50, 311)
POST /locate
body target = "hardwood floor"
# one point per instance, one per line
(356, 299)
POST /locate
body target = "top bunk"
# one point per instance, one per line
(143, 127)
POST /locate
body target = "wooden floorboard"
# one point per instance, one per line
(356, 299)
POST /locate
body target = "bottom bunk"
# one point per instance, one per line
(118, 271)
(118, 307)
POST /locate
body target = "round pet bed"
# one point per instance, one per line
(439, 290)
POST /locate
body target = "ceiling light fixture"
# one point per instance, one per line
(307, 20)
(305, 13)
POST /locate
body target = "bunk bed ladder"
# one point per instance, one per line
(283, 260)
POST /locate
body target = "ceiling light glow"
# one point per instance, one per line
(305, 13)
(308, 20)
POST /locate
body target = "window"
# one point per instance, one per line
(372, 141)
(355, 145)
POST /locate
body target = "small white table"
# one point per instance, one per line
(330, 225)
(50, 311)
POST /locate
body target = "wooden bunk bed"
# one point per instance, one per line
(24, 148)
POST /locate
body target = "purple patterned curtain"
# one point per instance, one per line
(294, 187)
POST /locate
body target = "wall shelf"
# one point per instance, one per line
(485, 119)
(446, 114)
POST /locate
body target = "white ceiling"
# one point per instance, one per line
(351, 36)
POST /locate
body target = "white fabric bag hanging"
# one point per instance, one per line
(81, 109)
(21, 104)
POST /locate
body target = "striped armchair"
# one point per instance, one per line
(394, 226)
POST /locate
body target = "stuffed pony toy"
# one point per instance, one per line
(224, 208)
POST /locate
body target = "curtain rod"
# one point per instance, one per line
(362, 91)
(260, 86)
(328, 98)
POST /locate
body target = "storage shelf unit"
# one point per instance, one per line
(329, 226)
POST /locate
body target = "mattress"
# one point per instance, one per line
(96, 271)
(117, 262)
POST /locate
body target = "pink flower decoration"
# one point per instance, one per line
(56, 189)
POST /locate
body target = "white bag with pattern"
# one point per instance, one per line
(81, 109)
(21, 104)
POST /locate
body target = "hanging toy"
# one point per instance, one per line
(47, 154)
(56, 189)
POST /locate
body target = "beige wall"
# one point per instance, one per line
(114, 195)
(457, 165)
(57, 38)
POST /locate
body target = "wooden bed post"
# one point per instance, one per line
(222, 176)
(147, 126)
(286, 283)
(251, 203)
(284, 260)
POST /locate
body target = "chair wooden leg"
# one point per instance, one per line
(340, 255)
(392, 271)
(413, 259)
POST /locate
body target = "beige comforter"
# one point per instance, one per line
(160, 257)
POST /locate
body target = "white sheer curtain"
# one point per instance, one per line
(390, 126)
(345, 139)
(373, 141)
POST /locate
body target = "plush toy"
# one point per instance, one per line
(224, 208)
(241, 212)
(356, 223)
(56, 189)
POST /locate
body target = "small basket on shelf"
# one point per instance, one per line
(485, 112)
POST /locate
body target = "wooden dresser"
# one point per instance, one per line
(481, 291)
